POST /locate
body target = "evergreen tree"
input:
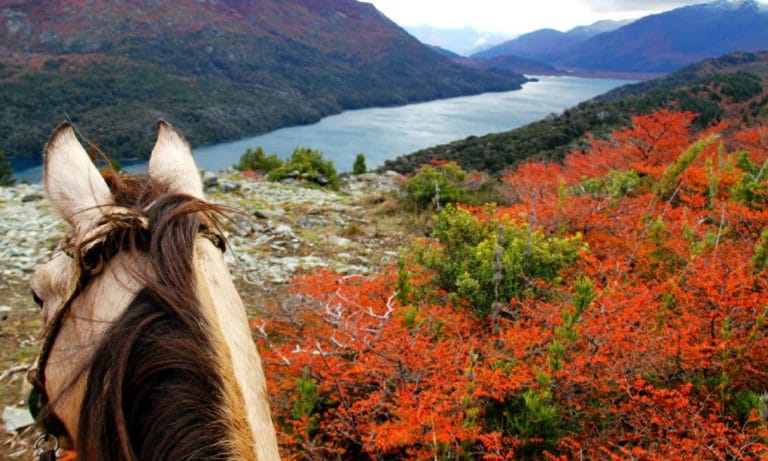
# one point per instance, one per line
(359, 166)
(6, 172)
(308, 165)
(257, 160)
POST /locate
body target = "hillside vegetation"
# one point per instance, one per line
(615, 307)
(715, 90)
(217, 70)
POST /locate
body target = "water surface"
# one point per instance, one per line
(385, 133)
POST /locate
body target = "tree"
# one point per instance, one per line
(436, 185)
(359, 167)
(308, 165)
(257, 160)
(6, 172)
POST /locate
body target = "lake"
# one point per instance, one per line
(385, 133)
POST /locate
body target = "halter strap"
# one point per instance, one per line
(92, 253)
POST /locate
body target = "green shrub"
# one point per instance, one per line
(306, 400)
(435, 186)
(6, 172)
(760, 259)
(740, 86)
(359, 167)
(492, 260)
(614, 184)
(115, 165)
(751, 189)
(745, 402)
(668, 182)
(257, 160)
(532, 416)
(308, 165)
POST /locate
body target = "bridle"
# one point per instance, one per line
(92, 254)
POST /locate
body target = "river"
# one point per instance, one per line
(385, 133)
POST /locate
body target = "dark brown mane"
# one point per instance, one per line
(153, 391)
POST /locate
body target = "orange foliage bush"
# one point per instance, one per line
(654, 345)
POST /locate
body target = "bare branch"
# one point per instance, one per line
(14, 370)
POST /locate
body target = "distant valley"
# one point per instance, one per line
(731, 89)
(223, 70)
(656, 44)
(218, 70)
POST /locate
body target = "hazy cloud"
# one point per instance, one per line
(519, 16)
(628, 6)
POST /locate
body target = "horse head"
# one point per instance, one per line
(146, 352)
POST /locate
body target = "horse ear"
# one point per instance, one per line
(171, 163)
(73, 183)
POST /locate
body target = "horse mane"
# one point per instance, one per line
(153, 391)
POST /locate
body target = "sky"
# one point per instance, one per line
(515, 17)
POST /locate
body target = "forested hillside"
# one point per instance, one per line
(217, 70)
(730, 87)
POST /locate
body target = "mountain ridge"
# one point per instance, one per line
(219, 69)
(542, 44)
(657, 43)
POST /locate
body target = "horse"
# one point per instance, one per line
(146, 351)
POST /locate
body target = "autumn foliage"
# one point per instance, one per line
(616, 311)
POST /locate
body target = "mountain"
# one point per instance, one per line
(732, 87)
(511, 64)
(443, 52)
(668, 41)
(599, 27)
(658, 43)
(547, 44)
(540, 45)
(217, 69)
(461, 41)
(755, 63)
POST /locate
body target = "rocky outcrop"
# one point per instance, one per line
(285, 228)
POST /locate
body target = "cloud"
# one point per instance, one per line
(629, 6)
(518, 16)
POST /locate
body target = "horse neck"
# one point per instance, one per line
(245, 391)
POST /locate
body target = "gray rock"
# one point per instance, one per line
(33, 197)
(309, 221)
(283, 229)
(258, 214)
(339, 241)
(227, 186)
(291, 182)
(360, 261)
(350, 269)
(16, 418)
(210, 179)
